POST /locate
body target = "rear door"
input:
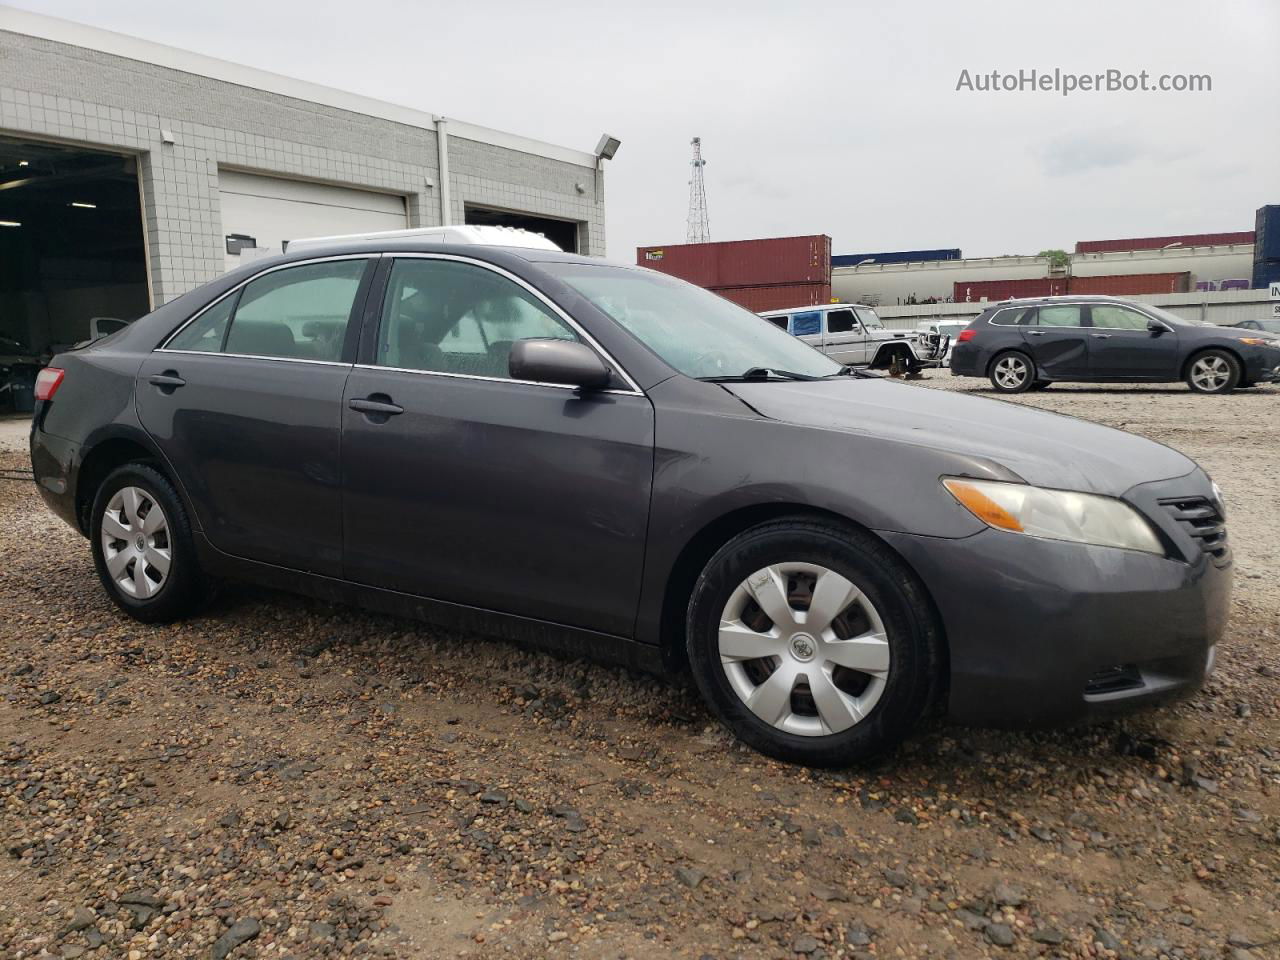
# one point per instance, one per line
(1122, 348)
(1058, 340)
(807, 325)
(245, 404)
(464, 485)
(846, 342)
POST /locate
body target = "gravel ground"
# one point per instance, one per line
(281, 777)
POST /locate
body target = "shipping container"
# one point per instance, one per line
(993, 290)
(1266, 245)
(744, 263)
(1130, 284)
(777, 296)
(895, 256)
(1156, 243)
(1265, 273)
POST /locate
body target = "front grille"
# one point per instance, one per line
(1122, 676)
(1200, 518)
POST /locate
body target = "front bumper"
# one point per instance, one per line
(1262, 365)
(1045, 632)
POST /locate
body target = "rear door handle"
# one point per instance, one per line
(376, 407)
(167, 381)
(1100, 336)
(1035, 333)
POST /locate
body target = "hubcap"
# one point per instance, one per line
(804, 649)
(135, 543)
(1210, 373)
(1010, 372)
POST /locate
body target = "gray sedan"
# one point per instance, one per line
(609, 461)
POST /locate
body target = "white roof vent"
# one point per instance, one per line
(486, 236)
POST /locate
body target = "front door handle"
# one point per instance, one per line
(378, 404)
(1100, 336)
(1035, 333)
(168, 381)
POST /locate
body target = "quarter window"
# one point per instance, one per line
(1118, 318)
(840, 321)
(806, 324)
(206, 332)
(443, 316)
(1060, 316)
(779, 322)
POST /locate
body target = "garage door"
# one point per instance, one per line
(272, 210)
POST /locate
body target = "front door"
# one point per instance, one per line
(1122, 348)
(245, 403)
(846, 342)
(464, 485)
(1058, 341)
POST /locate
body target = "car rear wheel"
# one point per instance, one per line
(1012, 372)
(1213, 371)
(812, 642)
(142, 546)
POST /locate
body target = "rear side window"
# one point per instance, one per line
(299, 314)
(442, 316)
(806, 324)
(840, 321)
(1014, 316)
(1060, 316)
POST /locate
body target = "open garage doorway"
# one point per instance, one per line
(563, 233)
(71, 251)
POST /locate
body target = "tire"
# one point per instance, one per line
(1213, 371)
(1012, 372)
(125, 504)
(888, 612)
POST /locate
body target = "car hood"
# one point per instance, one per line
(1042, 448)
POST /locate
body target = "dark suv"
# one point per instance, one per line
(1028, 344)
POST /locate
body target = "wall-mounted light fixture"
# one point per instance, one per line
(83, 205)
(166, 136)
(607, 147)
(10, 223)
(240, 241)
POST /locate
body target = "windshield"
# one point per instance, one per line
(693, 330)
(869, 318)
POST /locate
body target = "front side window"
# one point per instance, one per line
(442, 316)
(1060, 316)
(840, 321)
(1118, 318)
(299, 313)
(806, 324)
(690, 329)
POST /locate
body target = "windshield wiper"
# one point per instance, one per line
(761, 373)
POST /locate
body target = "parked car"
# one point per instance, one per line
(611, 461)
(1029, 344)
(936, 339)
(1270, 326)
(850, 333)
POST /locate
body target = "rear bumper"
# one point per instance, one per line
(54, 462)
(965, 361)
(1042, 632)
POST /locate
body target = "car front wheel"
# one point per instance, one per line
(1213, 371)
(142, 546)
(812, 642)
(1012, 372)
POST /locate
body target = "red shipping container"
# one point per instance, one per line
(994, 290)
(1131, 284)
(743, 263)
(778, 296)
(1156, 243)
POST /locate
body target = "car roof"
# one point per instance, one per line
(813, 306)
(1067, 298)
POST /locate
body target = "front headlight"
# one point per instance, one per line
(1055, 514)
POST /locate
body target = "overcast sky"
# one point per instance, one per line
(838, 118)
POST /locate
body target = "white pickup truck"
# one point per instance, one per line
(852, 334)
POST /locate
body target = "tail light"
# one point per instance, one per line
(966, 335)
(48, 381)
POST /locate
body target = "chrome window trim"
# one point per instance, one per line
(1041, 326)
(475, 376)
(164, 345)
(540, 296)
(256, 356)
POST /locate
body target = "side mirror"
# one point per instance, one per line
(558, 361)
(1156, 327)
